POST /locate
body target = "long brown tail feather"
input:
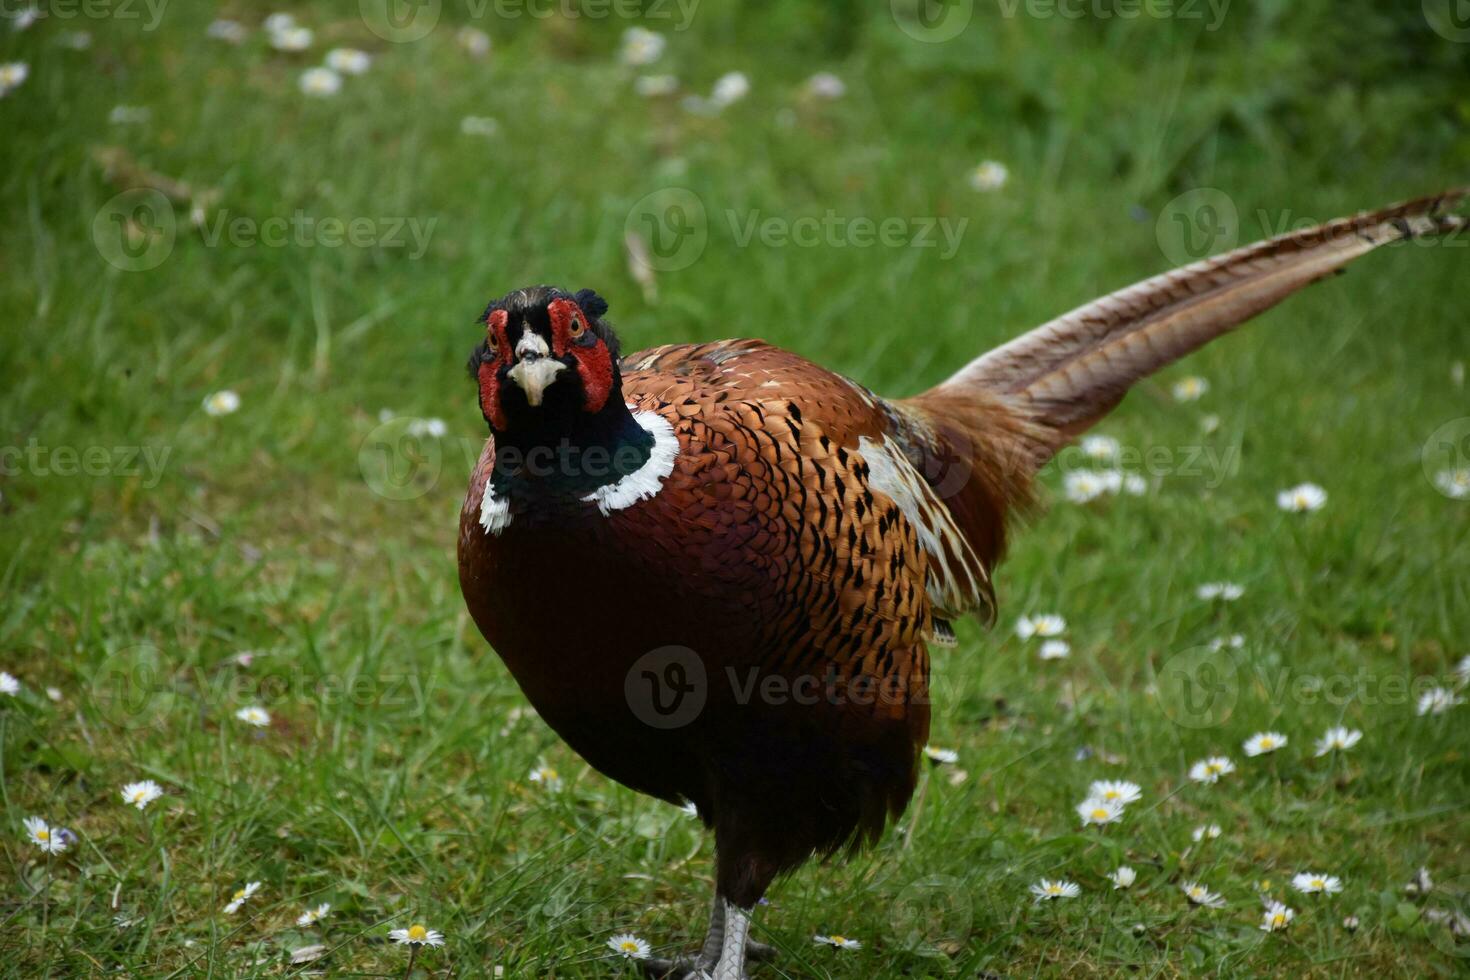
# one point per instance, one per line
(1067, 374)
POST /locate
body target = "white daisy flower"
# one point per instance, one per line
(229, 31)
(1115, 790)
(1190, 389)
(1209, 423)
(1276, 917)
(1055, 650)
(546, 776)
(54, 693)
(292, 39)
(1134, 485)
(473, 41)
(945, 757)
(128, 115)
(221, 403)
(1045, 890)
(1200, 895)
(23, 20)
(1302, 498)
(1123, 877)
(417, 935)
(1454, 484)
(1083, 486)
(1263, 742)
(654, 86)
(642, 46)
(1210, 770)
(1312, 882)
(141, 794)
(1337, 740)
(1234, 641)
(320, 82)
(12, 74)
(1227, 591)
(479, 126)
(8, 684)
(629, 946)
(51, 839)
(838, 942)
(1205, 831)
(254, 715)
(989, 175)
(279, 23)
(1103, 449)
(238, 899)
(1438, 700)
(730, 88)
(349, 61)
(825, 85)
(1048, 624)
(1462, 669)
(428, 428)
(1099, 812)
(314, 915)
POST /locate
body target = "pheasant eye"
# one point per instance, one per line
(577, 328)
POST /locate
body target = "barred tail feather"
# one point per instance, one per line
(1067, 374)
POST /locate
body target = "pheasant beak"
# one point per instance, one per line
(535, 369)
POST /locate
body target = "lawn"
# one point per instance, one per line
(167, 562)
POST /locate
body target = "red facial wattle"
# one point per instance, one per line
(594, 361)
(495, 329)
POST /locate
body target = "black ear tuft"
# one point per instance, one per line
(591, 303)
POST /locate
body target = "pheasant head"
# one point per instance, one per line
(547, 360)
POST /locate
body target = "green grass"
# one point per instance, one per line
(392, 781)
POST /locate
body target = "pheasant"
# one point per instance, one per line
(715, 570)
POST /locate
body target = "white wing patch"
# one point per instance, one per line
(956, 576)
(647, 479)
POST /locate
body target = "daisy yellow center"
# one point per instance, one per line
(1278, 918)
(43, 834)
(1101, 813)
(1318, 883)
(1213, 767)
(838, 940)
(239, 896)
(628, 946)
(417, 934)
(548, 773)
(1053, 889)
(1267, 743)
(138, 794)
(1196, 893)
